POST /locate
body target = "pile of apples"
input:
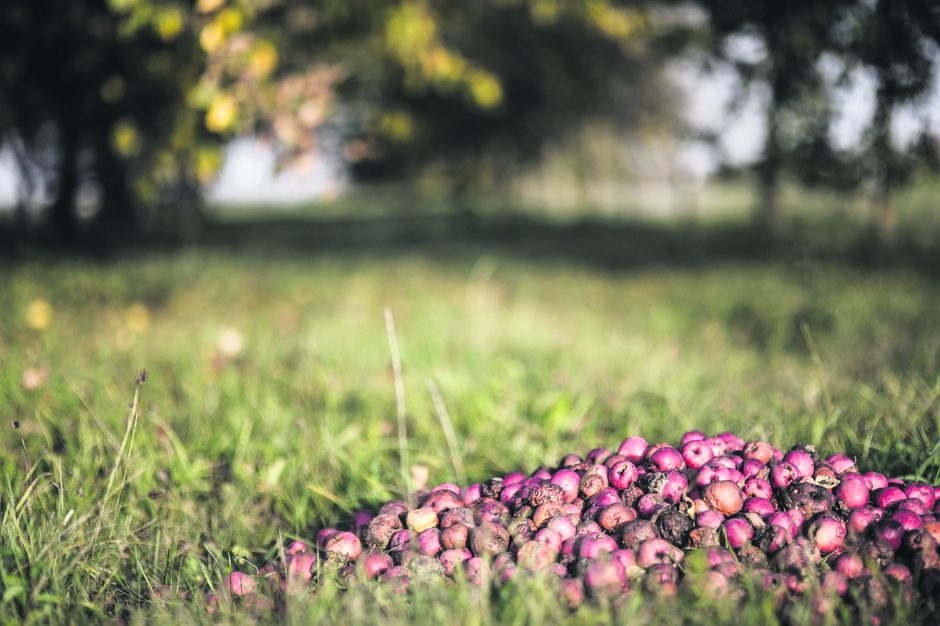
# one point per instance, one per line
(718, 513)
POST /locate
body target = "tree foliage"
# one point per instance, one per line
(141, 93)
(139, 96)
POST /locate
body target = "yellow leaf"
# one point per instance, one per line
(137, 317)
(169, 23)
(485, 89)
(441, 64)
(616, 23)
(126, 138)
(124, 6)
(230, 19)
(410, 28)
(544, 11)
(211, 36)
(208, 162)
(208, 6)
(397, 125)
(38, 314)
(222, 114)
(263, 59)
(201, 95)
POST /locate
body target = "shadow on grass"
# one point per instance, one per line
(596, 242)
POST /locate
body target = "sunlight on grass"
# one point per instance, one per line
(270, 408)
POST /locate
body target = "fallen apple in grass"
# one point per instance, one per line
(626, 522)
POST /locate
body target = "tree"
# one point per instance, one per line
(141, 94)
(84, 98)
(464, 89)
(789, 40)
(897, 42)
(490, 84)
(894, 41)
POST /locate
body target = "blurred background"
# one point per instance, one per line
(130, 117)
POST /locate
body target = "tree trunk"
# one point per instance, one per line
(27, 183)
(882, 215)
(768, 175)
(768, 206)
(183, 216)
(117, 209)
(64, 221)
(771, 166)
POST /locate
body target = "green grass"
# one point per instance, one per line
(533, 356)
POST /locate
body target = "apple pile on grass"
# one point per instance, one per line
(718, 513)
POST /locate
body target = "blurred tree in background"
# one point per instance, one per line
(782, 43)
(139, 94)
(899, 43)
(480, 90)
(127, 103)
(84, 96)
(800, 54)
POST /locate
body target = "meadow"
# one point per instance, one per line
(270, 407)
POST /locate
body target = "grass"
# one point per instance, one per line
(270, 410)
